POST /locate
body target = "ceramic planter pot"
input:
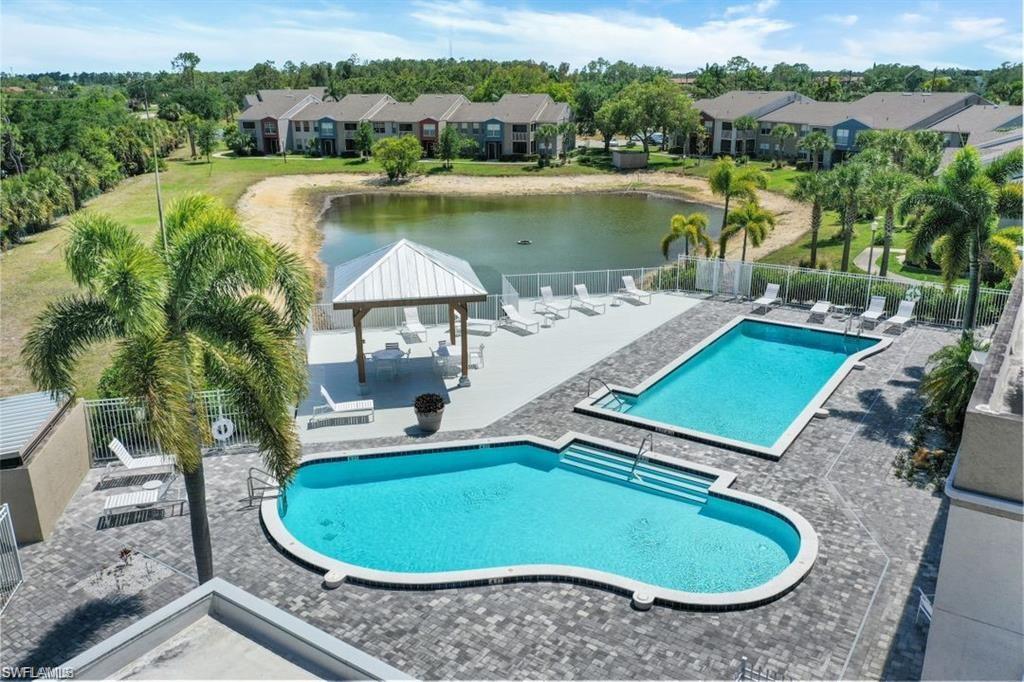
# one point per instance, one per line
(430, 422)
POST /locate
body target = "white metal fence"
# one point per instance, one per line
(326, 318)
(804, 286)
(126, 420)
(598, 282)
(11, 575)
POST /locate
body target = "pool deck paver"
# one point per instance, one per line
(837, 474)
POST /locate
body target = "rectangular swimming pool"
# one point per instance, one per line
(752, 386)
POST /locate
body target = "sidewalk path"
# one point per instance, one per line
(862, 259)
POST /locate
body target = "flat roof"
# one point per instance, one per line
(22, 417)
(219, 631)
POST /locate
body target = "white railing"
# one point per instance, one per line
(804, 286)
(126, 420)
(652, 278)
(11, 575)
(520, 137)
(326, 318)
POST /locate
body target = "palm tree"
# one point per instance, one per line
(816, 143)
(691, 228)
(886, 188)
(948, 384)
(548, 134)
(1003, 250)
(961, 209)
(782, 133)
(728, 181)
(753, 221)
(814, 189)
(208, 305)
(848, 184)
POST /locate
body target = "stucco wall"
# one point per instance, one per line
(976, 630)
(39, 490)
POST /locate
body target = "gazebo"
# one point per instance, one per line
(407, 274)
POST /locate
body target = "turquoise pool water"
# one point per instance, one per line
(517, 504)
(748, 385)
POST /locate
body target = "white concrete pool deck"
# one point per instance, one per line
(516, 368)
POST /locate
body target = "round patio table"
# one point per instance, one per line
(387, 354)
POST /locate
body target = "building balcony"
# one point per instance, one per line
(520, 137)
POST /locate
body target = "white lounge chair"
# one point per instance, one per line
(514, 317)
(133, 464)
(631, 291)
(549, 304)
(144, 499)
(352, 408)
(821, 309)
(904, 314)
(477, 324)
(412, 324)
(584, 300)
(924, 606)
(769, 298)
(876, 308)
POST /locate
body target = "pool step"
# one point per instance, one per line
(671, 482)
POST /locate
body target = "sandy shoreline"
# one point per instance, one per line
(287, 208)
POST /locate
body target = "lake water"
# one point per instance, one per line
(568, 231)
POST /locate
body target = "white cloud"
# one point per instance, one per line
(57, 39)
(913, 18)
(842, 19)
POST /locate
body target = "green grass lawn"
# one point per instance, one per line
(779, 179)
(830, 244)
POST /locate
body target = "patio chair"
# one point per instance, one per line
(904, 315)
(392, 345)
(584, 300)
(412, 324)
(134, 464)
(924, 606)
(631, 291)
(821, 309)
(144, 499)
(478, 324)
(876, 308)
(514, 317)
(352, 408)
(768, 299)
(549, 304)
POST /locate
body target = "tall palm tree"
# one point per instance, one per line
(816, 143)
(548, 134)
(691, 228)
(961, 208)
(743, 124)
(814, 189)
(753, 221)
(848, 185)
(782, 133)
(730, 182)
(886, 187)
(217, 307)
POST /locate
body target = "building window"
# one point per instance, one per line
(316, 127)
(248, 125)
(726, 126)
(429, 129)
(493, 130)
(327, 127)
(476, 128)
(764, 146)
(726, 146)
(519, 147)
(533, 127)
(405, 127)
(350, 126)
(766, 129)
(378, 128)
(298, 145)
(842, 136)
(270, 128)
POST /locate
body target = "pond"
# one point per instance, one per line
(567, 231)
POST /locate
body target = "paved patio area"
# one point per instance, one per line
(852, 617)
(518, 367)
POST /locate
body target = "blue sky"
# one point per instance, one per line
(97, 35)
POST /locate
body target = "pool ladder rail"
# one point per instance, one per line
(590, 382)
(648, 443)
(259, 482)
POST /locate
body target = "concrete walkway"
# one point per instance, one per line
(864, 257)
(517, 368)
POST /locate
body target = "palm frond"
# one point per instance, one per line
(182, 213)
(668, 240)
(292, 281)
(92, 239)
(61, 333)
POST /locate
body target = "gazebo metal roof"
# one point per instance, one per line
(404, 273)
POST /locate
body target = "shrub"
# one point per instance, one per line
(677, 150)
(427, 403)
(397, 155)
(803, 165)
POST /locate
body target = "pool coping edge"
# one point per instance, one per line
(769, 591)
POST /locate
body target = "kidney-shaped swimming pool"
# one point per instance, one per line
(577, 510)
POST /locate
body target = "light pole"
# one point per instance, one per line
(871, 249)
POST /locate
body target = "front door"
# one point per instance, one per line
(493, 151)
(428, 149)
(328, 147)
(270, 145)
